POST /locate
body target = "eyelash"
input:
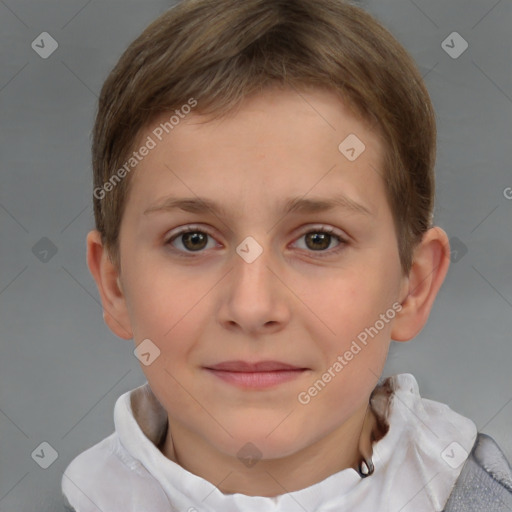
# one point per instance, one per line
(320, 253)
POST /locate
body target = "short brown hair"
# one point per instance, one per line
(221, 51)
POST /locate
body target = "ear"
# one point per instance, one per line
(106, 275)
(431, 261)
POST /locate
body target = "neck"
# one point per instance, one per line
(343, 448)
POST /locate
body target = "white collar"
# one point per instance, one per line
(411, 452)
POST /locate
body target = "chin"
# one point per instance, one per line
(257, 443)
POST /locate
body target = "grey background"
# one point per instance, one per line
(61, 369)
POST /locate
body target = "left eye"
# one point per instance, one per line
(317, 240)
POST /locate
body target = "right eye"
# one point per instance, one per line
(192, 239)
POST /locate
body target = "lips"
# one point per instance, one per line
(246, 367)
(261, 375)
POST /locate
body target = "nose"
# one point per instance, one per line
(255, 299)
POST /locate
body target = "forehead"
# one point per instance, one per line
(278, 144)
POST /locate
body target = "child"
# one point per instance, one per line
(292, 141)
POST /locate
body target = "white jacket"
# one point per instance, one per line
(416, 464)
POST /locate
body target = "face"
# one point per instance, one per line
(254, 280)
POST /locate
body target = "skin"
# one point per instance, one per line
(290, 304)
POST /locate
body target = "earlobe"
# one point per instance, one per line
(107, 280)
(430, 265)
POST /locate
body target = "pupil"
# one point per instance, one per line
(194, 238)
(324, 239)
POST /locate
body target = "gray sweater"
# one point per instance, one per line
(485, 482)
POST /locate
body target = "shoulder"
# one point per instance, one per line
(105, 477)
(490, 457)
(485, 482)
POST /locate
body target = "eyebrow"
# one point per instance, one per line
(290, 205)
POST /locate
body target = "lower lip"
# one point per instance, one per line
(257, 380)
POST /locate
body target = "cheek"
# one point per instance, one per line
(354, 353)
(351, 309)
(167, 309)
(159, 297)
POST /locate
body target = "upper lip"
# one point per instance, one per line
(260, 366)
